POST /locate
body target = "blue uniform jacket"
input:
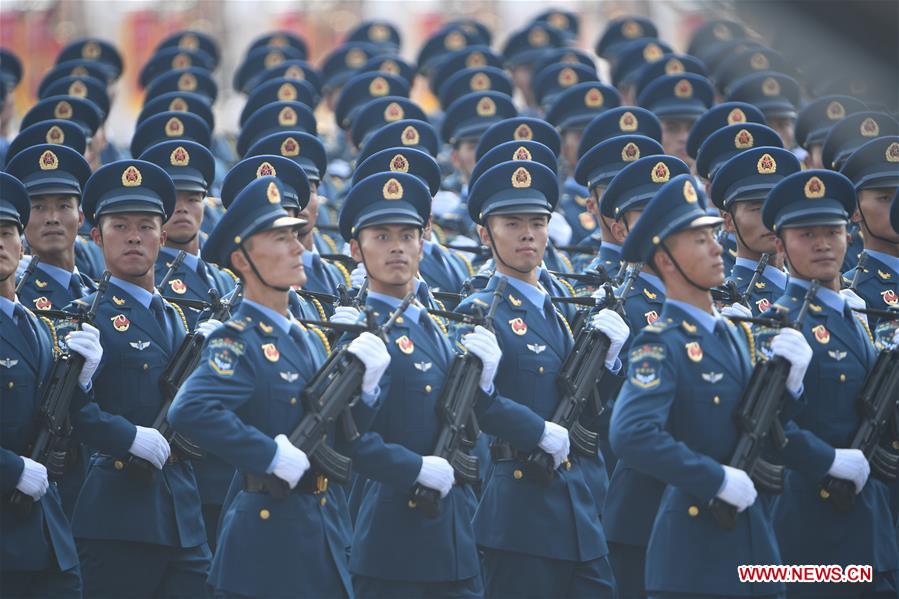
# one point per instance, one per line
(573, 206)
(43, 292)
(764, 293)
(674, 422)
(444, 270)
(878, 285)
(89, 257)
(187, 283)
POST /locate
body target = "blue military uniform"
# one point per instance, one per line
(803, 518)
(536, 540)
(661, 426)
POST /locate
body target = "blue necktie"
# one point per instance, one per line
(157, 306)
(24, 325)
(75, 287)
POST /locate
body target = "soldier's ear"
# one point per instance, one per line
(856, 216)
(779, 244)
(728, 221)
(355, 250)
(483, 236)
(96, 234)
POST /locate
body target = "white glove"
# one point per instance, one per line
(555, 442)
(610, 323)
(559, 229)
(86, 342)
(850, 464)
(792, 345)
(33, 480)
(372, 352)
(738, 310)
(737, 489)
(600, 294)
(291, 462)
(436, 473)
(345, 315)
(357, 277)
(150, 445)
(854, 301)
(482, 343)
(206, 328)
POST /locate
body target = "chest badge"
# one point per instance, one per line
(649, 294)
(763, 304)
(423, 366)
(822, 335)
(836, 354)
(140, 345)
(651, 316)
(405, 344)
(889, 297)
(117, 301)
(694, 352)
(120, 323)
(271, 352)
(8, 362)
(712, 377)
(289, 376)
(178, 286)
(42, 303)
(536, 348)
(40, 284)
(514, 300)
(645, 376)
(519, 326)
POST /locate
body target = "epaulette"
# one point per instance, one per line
(230, 273)
(322, 336)
(180, 313)
(343, 271)
(319, 309)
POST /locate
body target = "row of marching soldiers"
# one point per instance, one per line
(216, 395)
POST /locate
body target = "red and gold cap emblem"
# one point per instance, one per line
(187, 82)
(189, 41)
(454, 40)
(178, 105)
(683, 89)
(630, 152)
(628, 122)
(294, 73)
(355, 58)
(410, 136)
(892, 153)
(273, 194)
(835, 111)
(523, 133)
(378, 33)
(389, 66)
(287, 92)
(869, 128)
(593, 98)
(538, 37)
(174, 127)
(475, 59)
(378, 87)
(181, 61)
(90, 50)
(131, 177)
(392, 190)
(759, 62)
(48, 161)
(690, 193)
(179, 157)
(652, 52)
(631, 29)
(394, 112)
(674, 67)
(266, 169)
(290, 147)
(814, 188)
(287, 117)
(273, 59)
(567, 77)
(521, 178)
(770, 86)
(486, 107)
(743, 140)
(399, 164)
(660, 173)
(522, 153)
(63, 110)
(736, 116)
(78, 89)
(766, 165)
(479, 82)
(722, 32)
(55, 135)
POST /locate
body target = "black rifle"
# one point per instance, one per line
(35, 260)
(878, 403)
(455, 408)
(325, 298)
(859, 268)
(181, 365)
(578, 249)
(176, 264)
(577, 381)
(327, 399)
(342, 258)
(728, 292)
(757, 420)
(592, 277)
(481, 250)
(51, 444)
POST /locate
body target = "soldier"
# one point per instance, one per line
(874, 170)
(10, 75)
(38, 551)
(536, 540)
(522, 49)
(678, 101)
(776, 95)
(808, 211)
(738, 190)
(629, 64)
(243, 398)
(137, 520)
(815, 121)
(673, 419)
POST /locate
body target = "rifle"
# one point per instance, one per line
(181, 365)
(578, 249)
(757, 420)
(327, 399)
(593, 277)
(455, 408)
(481, 250)
(729, 294)
(29, 270)
(859, 267)
(878, 403)
(176, 264)
(50, 446)
(342, 258)
(577, 381)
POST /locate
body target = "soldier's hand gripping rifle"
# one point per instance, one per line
(757, 420)
(328, 399)
(455, 409)
(181, 365)
(51, 444)
(878, 403)
(577, 382)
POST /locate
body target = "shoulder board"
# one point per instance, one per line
(180, 313)
(343, 271)
(322, 337)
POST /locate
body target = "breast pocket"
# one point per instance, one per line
(19, 391)
(535, 381)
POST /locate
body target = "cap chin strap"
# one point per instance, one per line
(682, 273)
(793, 265)
(870, 232)
(188, 240)
(733, 218)
(258, 274)
(499, 257)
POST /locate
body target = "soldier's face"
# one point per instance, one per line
(784, 127)
(309, 213)
(621, 227)
(391, 252)
(10, 250)
(747, 216)
(187, 218)
(277, 255)
(698, 255)
(53, 223)
(571, 138)
(674, 137)
(814, 158)
(463, 157)
(814, 252)
(520, 240)
(130, 242)
(874, 204)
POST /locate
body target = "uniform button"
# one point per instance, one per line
(323, 501)
(842, 378)
(427, 388)
(716, 400)
(293, 401)
(264, 514)
(118, 464)
(146, 366)
(517, 474)
(693, 511)
(824, 494)
(567, 465)
(11, 384)
(412, 504)
(896, 445)
(540, 370)
(399, 320)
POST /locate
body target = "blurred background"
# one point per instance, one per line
(859, 37)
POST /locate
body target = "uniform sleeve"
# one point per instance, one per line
(509, 420)
(11, 466)
(638, 431)
(96, 428)
(205, 408)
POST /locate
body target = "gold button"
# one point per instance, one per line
(517, 474)
(11, 384)
(540, 370)
(895, 444)
(323, 501)
(264, 514)
(293, 401)
(567, 465)
(427, 388)
(824, 494)
(118, 464)
(146, 366)
(842, 378)
(716, 400)
(693, 511)
(399, 320)
(412, 504)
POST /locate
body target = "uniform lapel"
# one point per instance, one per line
(124, 304)
(13, 339)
